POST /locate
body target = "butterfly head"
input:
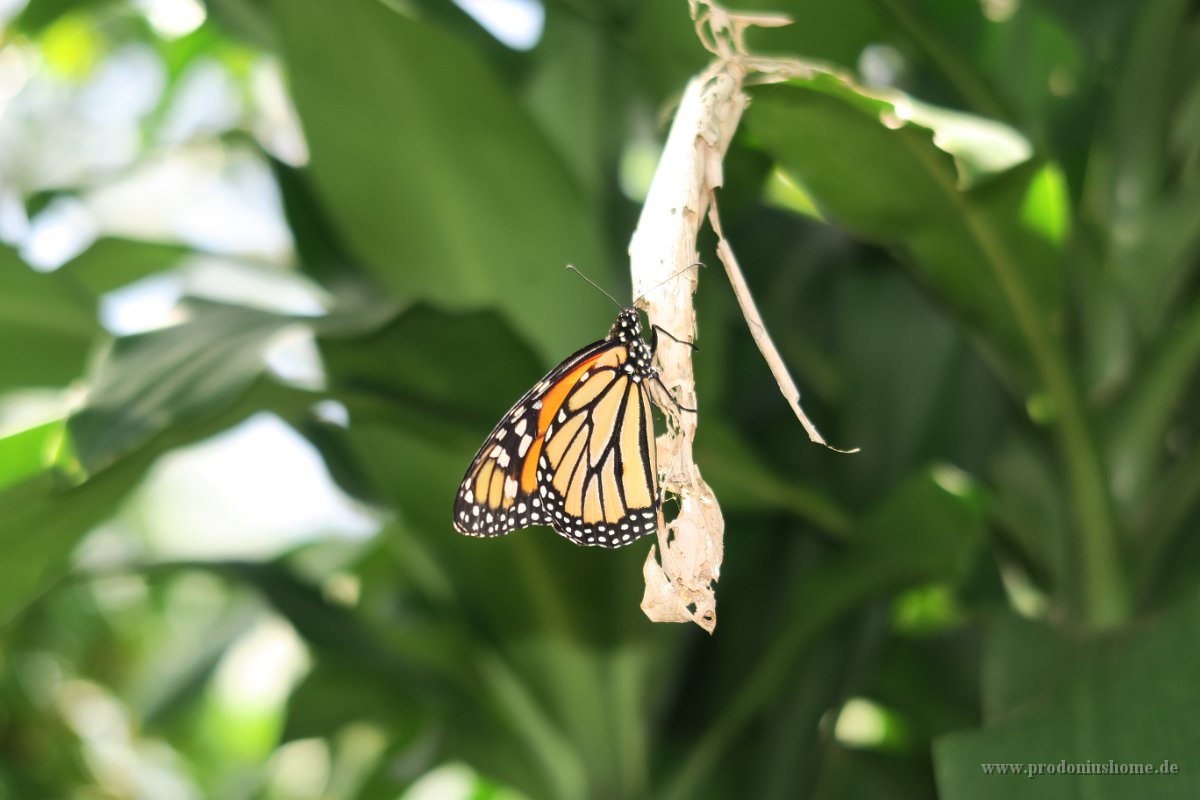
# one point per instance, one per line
(628, 330)
(627, 327)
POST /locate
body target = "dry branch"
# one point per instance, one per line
(681, 587)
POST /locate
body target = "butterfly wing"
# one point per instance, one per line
(576, 453)
(598, 476)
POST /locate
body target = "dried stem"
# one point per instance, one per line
(682, 587)
(759, 331)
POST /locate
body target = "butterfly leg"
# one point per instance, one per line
(672, 337)
(678, 404)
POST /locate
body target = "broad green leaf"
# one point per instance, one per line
(47, 325)
(435, 175)
(1049, 698)
(981, 147)
(41, 14)
(947, 190)
(319, 249)
(28, 452)
(334, 631)
(938, 391)
(41, 522)
(333, 696)
(1140, 423)
(743, 482)
(1029, 507)
(152, 381)
(1132, 160)
(112, 263)
(572, 92)
(40, 525)
(181, 666)
(1156, 259)
(565, 627)
(427, 366)
(1185, 130)
(248, 20)
(1035, 63)
(560, 583)
(927, 529)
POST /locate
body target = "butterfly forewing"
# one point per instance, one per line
(576, 452)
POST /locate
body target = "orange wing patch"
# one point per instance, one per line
(553, 400)
(551, 404)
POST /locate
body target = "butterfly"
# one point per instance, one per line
(576, 452)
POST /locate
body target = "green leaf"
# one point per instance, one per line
(562, 658)
(1029, 507)
(333, 696)
(1155, 260)
(941, 401)
(981, 148)
(41, 14)
(947, 189)
(152, 381)
(1035, 62)
(47, 326)
(435, 175)
(41, 522)
(40, 526)
(1140, 423)
(111, 263)
(571, 93)
(982, 249)
(248, 20)
(1133, 162)
(411, 371)
(319, 249)
(1051, 698)
(928, 529)
(744, 482)
(29, 452)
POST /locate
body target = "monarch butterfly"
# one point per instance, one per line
(576, 452)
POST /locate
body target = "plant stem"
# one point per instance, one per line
(1101, 593)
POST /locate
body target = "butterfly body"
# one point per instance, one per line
(576, 452)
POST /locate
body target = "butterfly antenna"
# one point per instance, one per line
(577, 271)
(652, 289)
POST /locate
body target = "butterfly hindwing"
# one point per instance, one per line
(599, 463)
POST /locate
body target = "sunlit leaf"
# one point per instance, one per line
(932, 184)
(111, 263)
(47, 326)
(28, 452)
(39, 526)
(151, 381)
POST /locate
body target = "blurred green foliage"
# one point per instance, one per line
(991, 290)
